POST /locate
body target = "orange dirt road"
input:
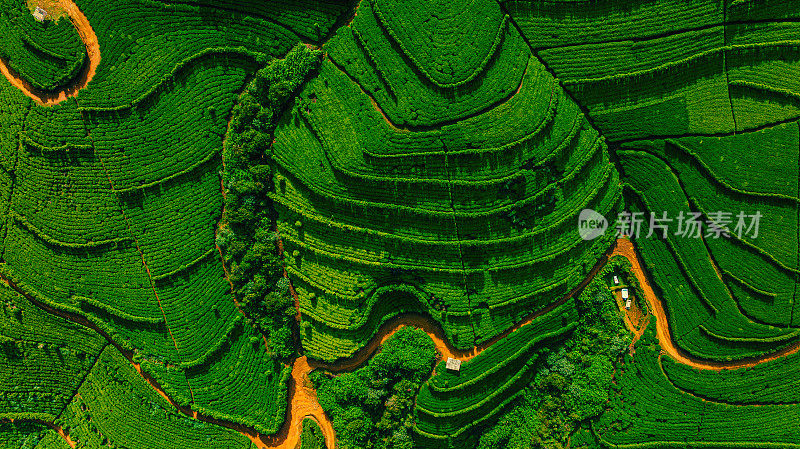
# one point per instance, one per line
(302, 404)
(89, 39)
(625, 248)
(303, 398)
(58, 429)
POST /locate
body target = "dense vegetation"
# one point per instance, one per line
(115, 407)
(704, 315)
(405, 185)
(371, 407)
(29, 435)
(112, 199)
(426, 157)
(48, 54)
(451, 405)
(246, 233)
(532, 388)
(670, 68)
(773, 382)
(647, 410)
(312, 437)
(42, 359)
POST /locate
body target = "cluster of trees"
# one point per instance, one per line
(573, 380)
(246, 233)
(371, 407)
(312, 437)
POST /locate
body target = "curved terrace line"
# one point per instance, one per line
(713, 178)
(789, 94)
(48, 150)
(714, 400)
(184, 64)
(365, 171)
(547, 121)
(405, 51)
(444, 213)
(729, 278)
(438, 126)
(734, 238)
(89, 39)
(713, 308)
(303, 397)
(41, 235)
(190, 7)
(672, 65)
(793, 119)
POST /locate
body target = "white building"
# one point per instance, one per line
(627, 298)
(616, 280)
(39, 14)
(453, 364)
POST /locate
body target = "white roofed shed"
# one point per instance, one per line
(453, 364)
(39, 14)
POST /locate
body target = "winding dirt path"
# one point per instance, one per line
(89, 39)
(625, 248)
(58, 429)
(303, 404)
(622, 247)
(303, 398)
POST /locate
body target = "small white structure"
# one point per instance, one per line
(616, 280)
(627, 298)
(453, 364)
(39, 14)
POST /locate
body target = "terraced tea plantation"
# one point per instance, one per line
(399, 224)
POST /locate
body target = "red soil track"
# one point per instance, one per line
(302, 396)
(625, 248)
(308, 405)
(89, 39)
(58, 429)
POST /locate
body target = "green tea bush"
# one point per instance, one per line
(48, 55)
(462, 188)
